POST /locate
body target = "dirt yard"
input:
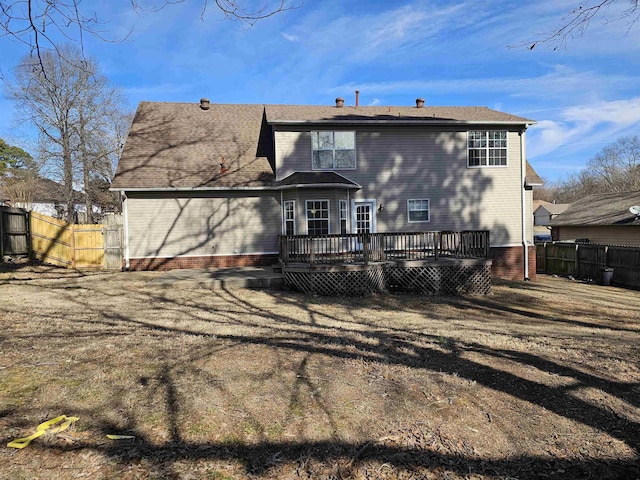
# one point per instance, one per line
(536, 380)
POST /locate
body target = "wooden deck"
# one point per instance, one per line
(418, 262)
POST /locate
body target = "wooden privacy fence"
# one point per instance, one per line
(588, 260)
(14, 231)
(59, 243)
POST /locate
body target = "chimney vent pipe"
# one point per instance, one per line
(357, 97)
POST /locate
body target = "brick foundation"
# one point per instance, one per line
(202, 262)
(508, 262)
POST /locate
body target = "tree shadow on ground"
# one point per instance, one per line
(355, 339)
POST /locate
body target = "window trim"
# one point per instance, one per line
(284, 216)
(409, 210)
(346, 215)
(486, 148)
(306, 213)
(334, 167)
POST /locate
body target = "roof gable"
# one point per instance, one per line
(180, 145)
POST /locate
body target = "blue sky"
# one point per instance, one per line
(584, 96)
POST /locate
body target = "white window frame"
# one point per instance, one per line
(292, 203)
(409, 210)
(334, 167)
(306, 213)
(487, 149)
(343, 214)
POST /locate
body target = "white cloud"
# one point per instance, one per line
(561, 82)
(581, 126)
(374, 102)
(290, 38)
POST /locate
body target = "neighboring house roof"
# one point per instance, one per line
(46, 190)
(185, 146)
(552, 208)
(605, 209)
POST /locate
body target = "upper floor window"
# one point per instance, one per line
(487, 148)
(333, 150)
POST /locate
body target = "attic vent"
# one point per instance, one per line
(339, 102)
(419, 102)
(204, 103)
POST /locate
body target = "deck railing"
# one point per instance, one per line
(377, 247)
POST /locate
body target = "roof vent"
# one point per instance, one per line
(204, 103)
(339, 102)
(419, 102)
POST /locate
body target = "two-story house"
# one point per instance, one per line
(215, 184)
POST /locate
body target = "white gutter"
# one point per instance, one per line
(125, 214)
(523, 174)
(426, 121)
(226, 189)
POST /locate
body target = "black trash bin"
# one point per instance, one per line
(605, 276)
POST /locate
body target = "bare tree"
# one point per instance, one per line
(39, 24)
(578, 20)
(616, 168)
(76, 113)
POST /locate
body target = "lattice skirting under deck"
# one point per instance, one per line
(414, 277)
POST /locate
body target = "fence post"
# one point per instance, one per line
(606, 251)
(576, 260)
(72, 242)
(1, 233)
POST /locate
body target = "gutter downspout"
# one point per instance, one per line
(523, 199)
(125, 213)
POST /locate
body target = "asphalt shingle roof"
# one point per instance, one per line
(434, 114)
(180, 145)
(605, 209)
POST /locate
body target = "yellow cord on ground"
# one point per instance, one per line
(43, 428)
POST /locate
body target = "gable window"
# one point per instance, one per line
(333, 150)
(487, 148)
(418, 210)
(317, 217)
(289, 217)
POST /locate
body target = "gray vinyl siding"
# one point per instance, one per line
(395, 164)
(606, 234)
(169, 225)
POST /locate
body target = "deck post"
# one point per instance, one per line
(365, 247)
(312, 253)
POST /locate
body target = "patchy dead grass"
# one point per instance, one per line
(536, 380)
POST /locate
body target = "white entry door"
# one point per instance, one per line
(364, 216)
